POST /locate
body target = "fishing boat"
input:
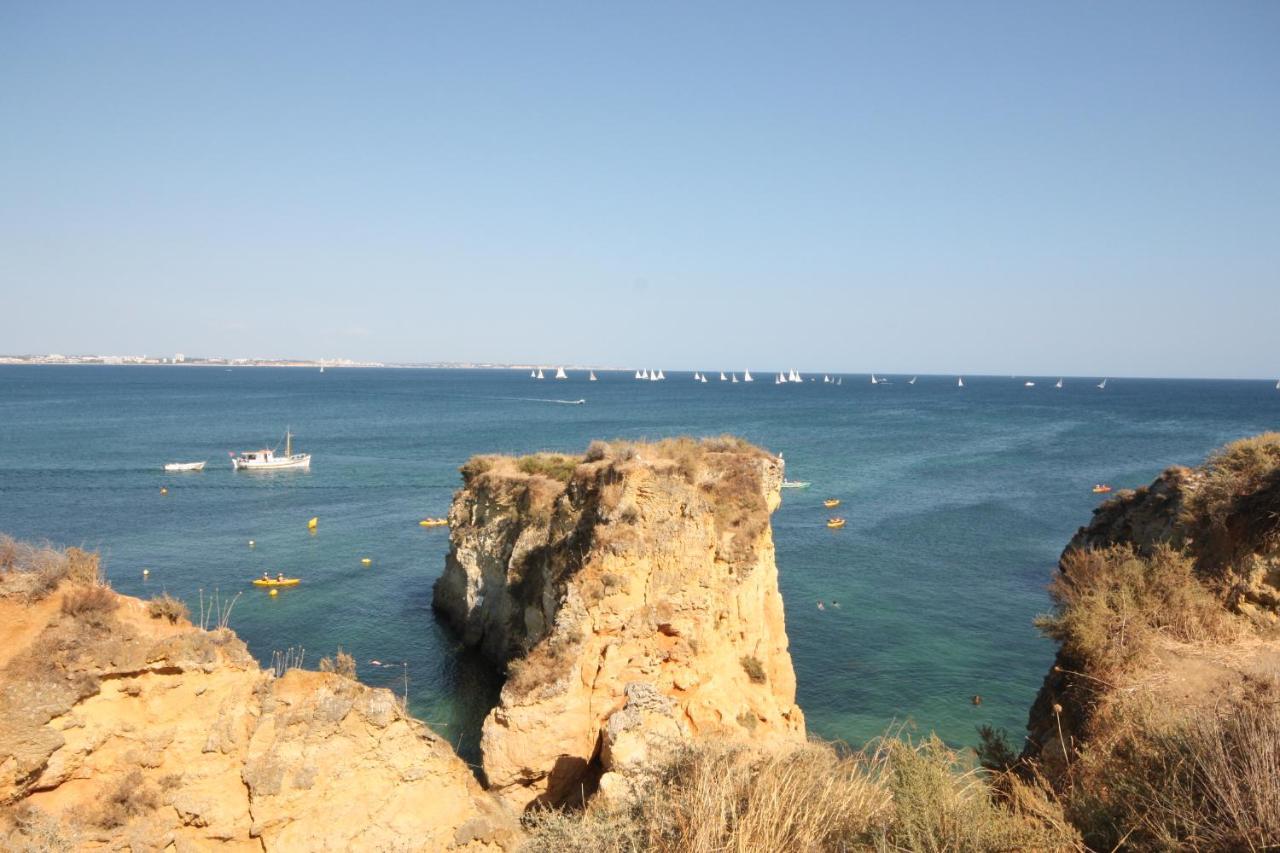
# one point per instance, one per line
(1102, 386)
(831, 503)
(591, 376)
(278, 580)
(746, 377)
(266, 460)
(560, 374)
(835, 523)
(1059, 384)
(1101, 489)
(795, 484)
(184, 466)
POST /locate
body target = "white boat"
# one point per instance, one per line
(1028, 384)
(874, 381)
(703, 380)
(1278, 384)
(1059, 384)
(839, 380)
(825, 378)
(660, 375)
(794, 377)
(266, 460)
(533, 374)
(560, 374)
(591, 376)
(1102, 385)
(912, 380)
(638, 376)
(746, 377)
(795, 484)
(723, 378)
(960, 382)
(322, 368)
(733, 378)
(184, 466)
(540, 376)
(779, 379)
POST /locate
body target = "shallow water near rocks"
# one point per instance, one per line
(958, 503)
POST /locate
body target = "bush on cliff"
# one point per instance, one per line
(165, 606)
(31, 572)
(1111, 603)
(894, 796)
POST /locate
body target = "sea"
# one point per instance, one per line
(958, 502)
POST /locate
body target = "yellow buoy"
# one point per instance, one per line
(366, 561)
(311, 525)
(163, 490)
(274, 592)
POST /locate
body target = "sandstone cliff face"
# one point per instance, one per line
(124, 731)
(1226, 515)
(633, 596)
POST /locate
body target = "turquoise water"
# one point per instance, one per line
(958, 502)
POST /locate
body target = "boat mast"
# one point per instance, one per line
(288, 443)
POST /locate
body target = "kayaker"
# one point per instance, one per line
(264, 577)
(280, 577)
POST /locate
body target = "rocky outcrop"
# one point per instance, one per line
(126, 731)
(1225, 515)
(632, 595)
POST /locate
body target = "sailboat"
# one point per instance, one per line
(1102, 386)
(643, 374)
(779, 379)
(591, 376)
(794, 377)
(540, 376)
(560, 374)
(660, 375)
(839, 380)
(746, 377)
(704, 378)
(1278, 384)
(733, 378)
(723, 378)
(638, 376)
(912, 380)
(533, 374)
(960, 382)
(322, 368)
(874, 381)
(1059, 383)
(825, 379)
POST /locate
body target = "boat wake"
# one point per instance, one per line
(546, 400)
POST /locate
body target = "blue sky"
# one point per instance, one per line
(1033, 188)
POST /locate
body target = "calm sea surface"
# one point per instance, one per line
(958, 502)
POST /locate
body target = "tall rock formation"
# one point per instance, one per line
(632, 595)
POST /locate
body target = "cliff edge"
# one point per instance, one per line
(632, 595)
(124, 726)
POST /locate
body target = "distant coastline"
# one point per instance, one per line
(218, 361)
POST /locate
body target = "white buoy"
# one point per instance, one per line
(250, 543)
(146, 572)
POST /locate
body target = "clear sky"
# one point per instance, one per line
(1009, 187)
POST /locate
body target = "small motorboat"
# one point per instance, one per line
(434, 522)
(835, 523)
(831, 503)
(279, 580)
(184, 466)
(1101, 489)
(794, 484)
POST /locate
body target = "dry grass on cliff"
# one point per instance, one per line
(165, 606)
(715, 797)
(1162, 778)
(1111, 603)
(31, 572)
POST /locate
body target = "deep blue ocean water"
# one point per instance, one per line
(958, 503)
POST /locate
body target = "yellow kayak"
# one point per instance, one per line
(434, 522)
(831, 503)
(835, 522)
(274, 582)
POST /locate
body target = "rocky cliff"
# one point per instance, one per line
(121, 728)
(632, 595)
(1223, 520)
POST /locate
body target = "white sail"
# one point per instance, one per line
(704, 379)
(839, 380)
(733, 378)
(660, 375)
(540, 376)
(826, 378)
(533, 374)
(1059, 384)
(644, 374)
(912, 381)
(697, 377)
(874, 381)
(960, 382)
(746, 377)
(560, 374)
(723, 378)
(1102, 385)
(591, 376)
